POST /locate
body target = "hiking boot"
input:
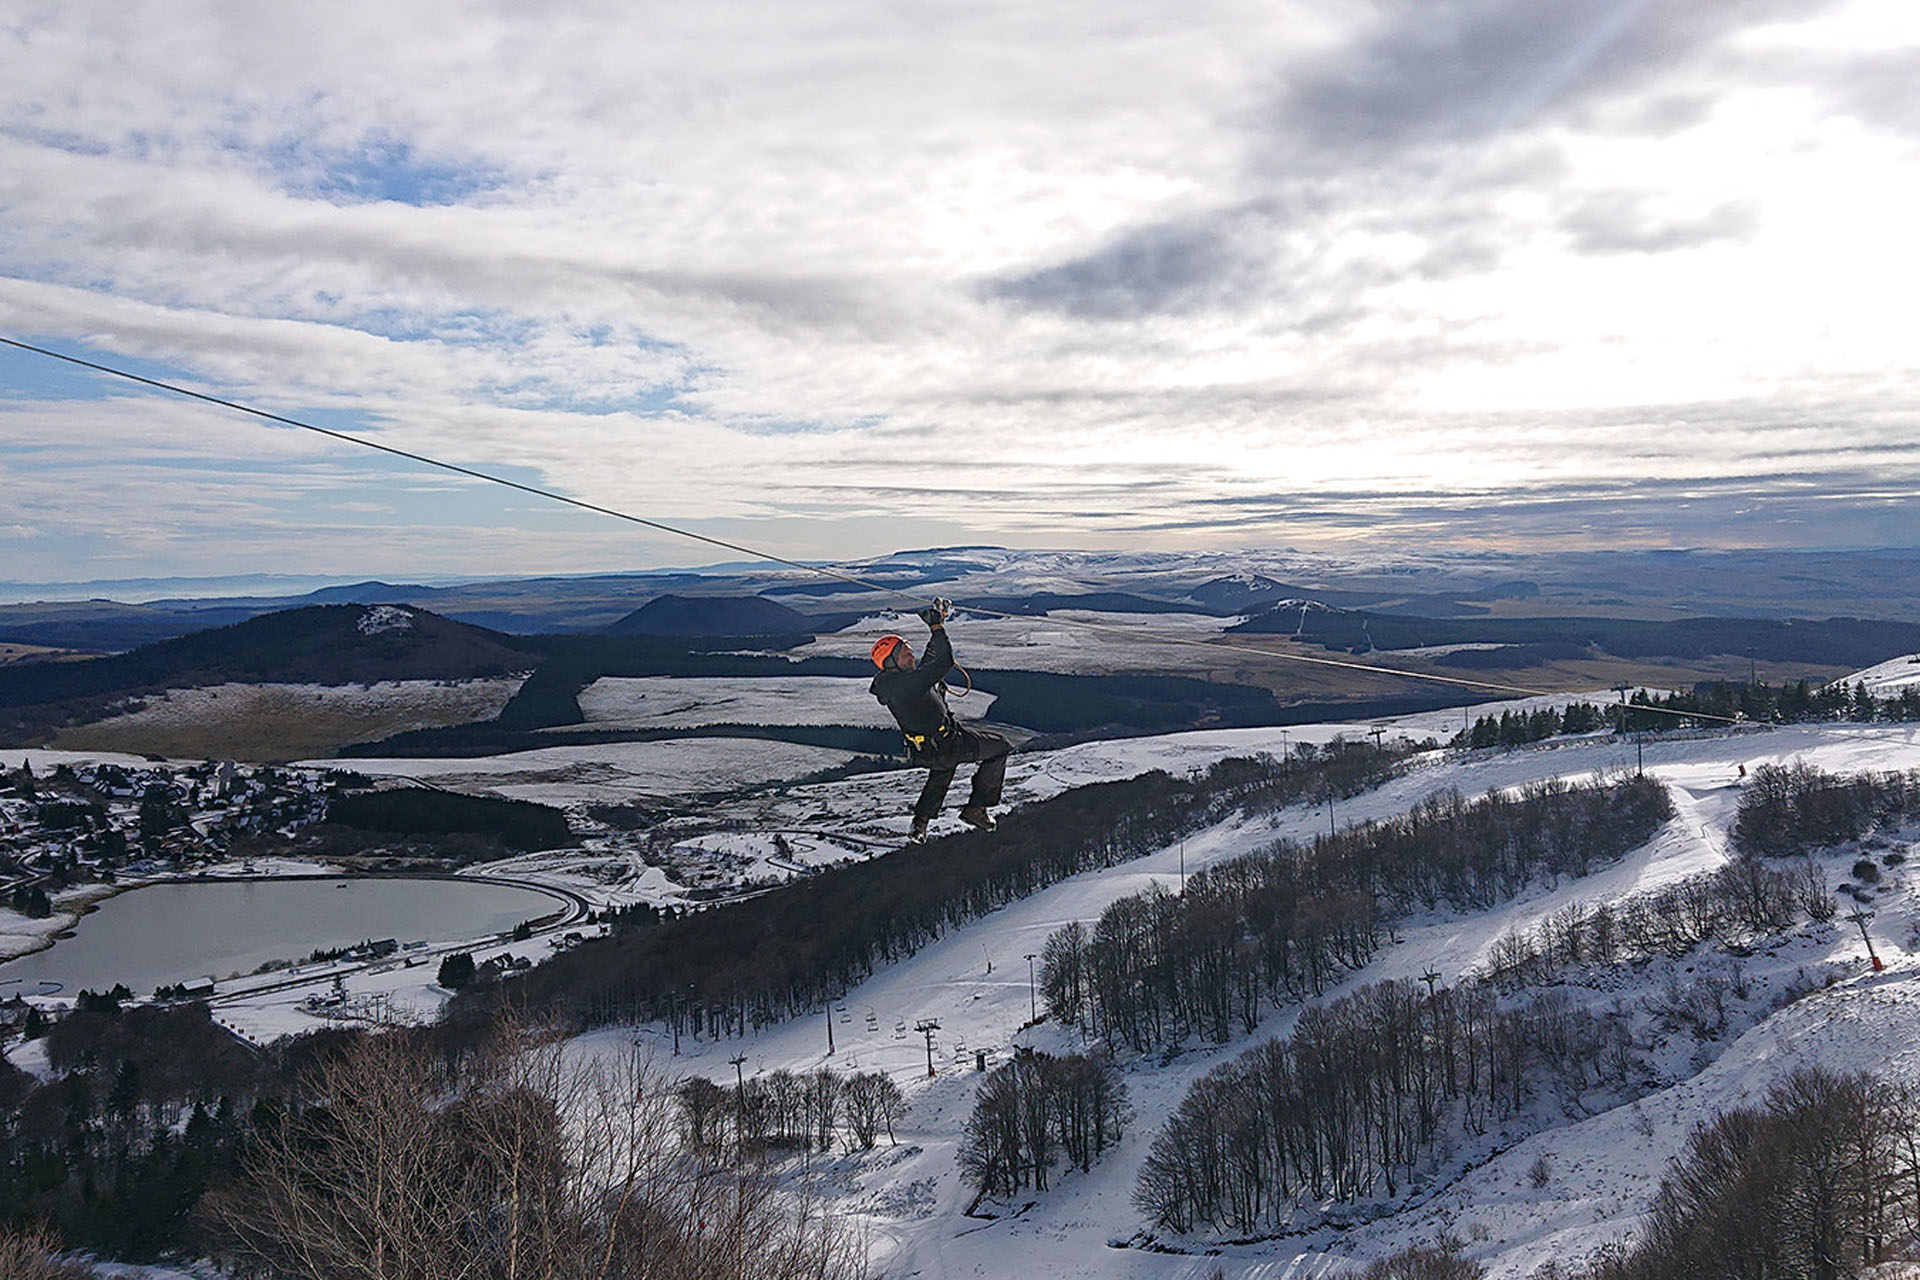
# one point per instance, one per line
(976, 815)
(919, 833)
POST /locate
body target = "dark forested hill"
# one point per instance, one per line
(711, 616)
(325, 644)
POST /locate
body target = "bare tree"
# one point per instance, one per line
(1439, 1261)
(870, 1100)
(34, 1255)
(520, 1162)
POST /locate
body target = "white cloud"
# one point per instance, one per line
(1024, 272)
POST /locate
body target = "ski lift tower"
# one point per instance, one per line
(926, 1027)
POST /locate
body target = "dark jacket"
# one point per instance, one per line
(917, 698)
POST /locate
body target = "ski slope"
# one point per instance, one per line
(909, 1200)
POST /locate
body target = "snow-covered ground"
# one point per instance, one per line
(666, 702)
(613, 773)
(41, 759)
(908, 1200)
(1888, 677)
(426, 702)
(1068, 641)
(975, 983)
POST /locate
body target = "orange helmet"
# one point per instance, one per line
(883, 649)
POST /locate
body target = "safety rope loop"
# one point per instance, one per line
(960, 693)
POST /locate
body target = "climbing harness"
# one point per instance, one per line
(923, 742)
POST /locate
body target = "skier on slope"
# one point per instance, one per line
(917, 696)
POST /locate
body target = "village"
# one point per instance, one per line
(95, 822)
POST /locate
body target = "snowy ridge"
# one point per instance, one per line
(1888, 677)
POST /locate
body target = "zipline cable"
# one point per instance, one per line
(1487, 686)
(424, 460)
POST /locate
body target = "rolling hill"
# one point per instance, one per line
(322, 644)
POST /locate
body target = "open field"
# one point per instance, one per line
(1065, 641)
(11, 653)
(1297, 672)
(670, 702)
(275, 722)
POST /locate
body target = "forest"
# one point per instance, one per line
(1035, 1111)
(787, 951)
(1818, 1181)
(409, 1155)
(428, 811)
(1361, 1098)
(1367, 1095)
(1277, 926)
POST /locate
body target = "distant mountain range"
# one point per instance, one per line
(1648, 586)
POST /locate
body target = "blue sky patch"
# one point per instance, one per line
(380, 168)
(27, 376)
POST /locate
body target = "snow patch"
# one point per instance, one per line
(384, 617)
(1889, 677)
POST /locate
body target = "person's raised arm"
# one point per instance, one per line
(938, 659)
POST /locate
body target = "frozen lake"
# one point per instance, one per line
(168, 933)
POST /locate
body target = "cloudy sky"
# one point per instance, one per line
(835, 278)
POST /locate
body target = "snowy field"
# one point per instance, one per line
(613, 773)
(1888, 677)
(272, 721)
(1122, 642)
(667, 702)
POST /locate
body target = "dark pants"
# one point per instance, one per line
(989, 749)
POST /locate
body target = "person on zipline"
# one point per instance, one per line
(917, 696)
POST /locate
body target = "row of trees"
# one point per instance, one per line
(787, 1109)
(1819, 1181)
(1035, 1110)
(1791, 702)
(1798, 807)
(1282, 923)
(1365, 1091)
(428, 811)
(1735, 903)
(1715, 703)
(1472, 854)
(787, 951)
(1516, 728)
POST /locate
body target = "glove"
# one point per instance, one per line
(932, 616)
